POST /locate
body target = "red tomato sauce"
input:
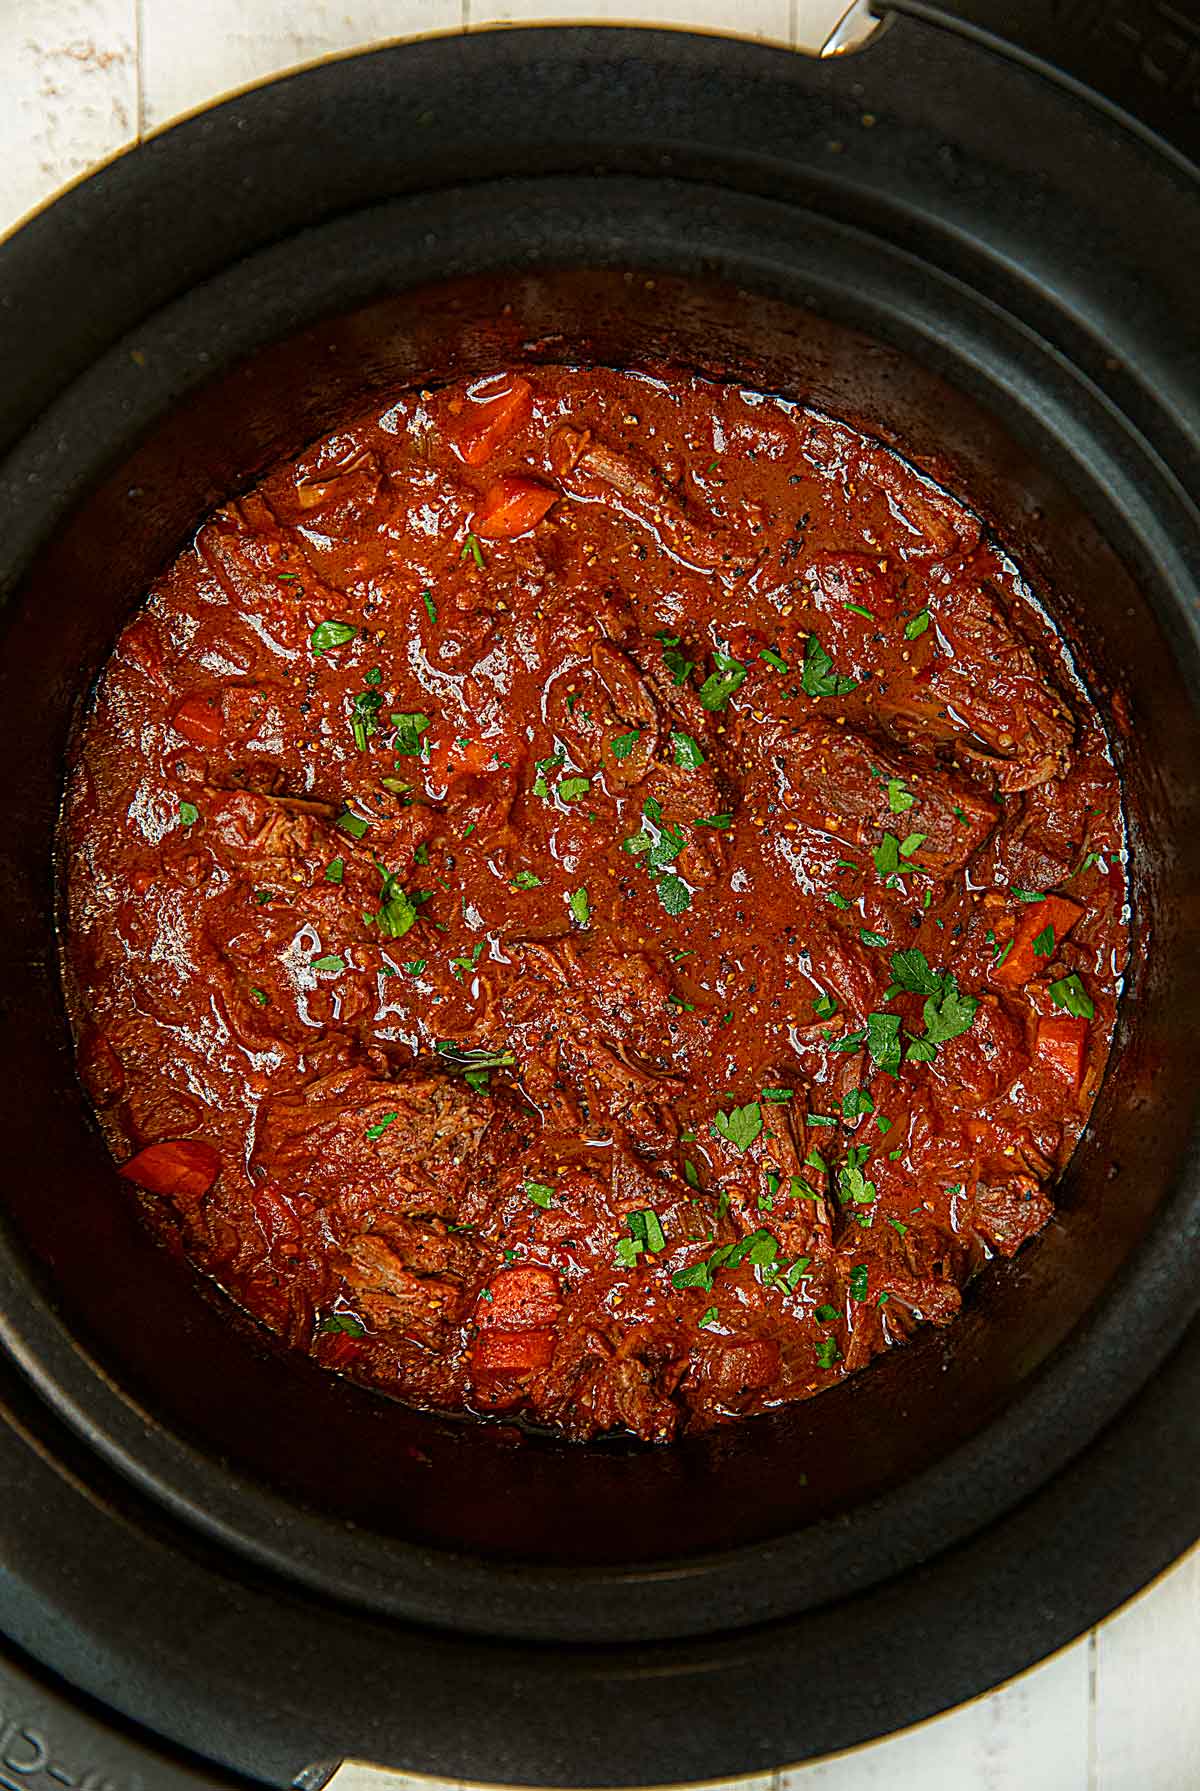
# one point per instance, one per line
(593, 896)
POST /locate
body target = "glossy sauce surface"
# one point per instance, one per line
(593, 896)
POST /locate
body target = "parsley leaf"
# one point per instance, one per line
(526, 880)
(381, 1125)
(828, 1352)
(572, 788)
(740, 1126)
(911, 970)
(674, 894)
(397, 912)
(327, 635)
(917, 626)
(818, 677)
(580, 906)
(1043, 945)
(883, 1041)
(775, 660)
(409, 726)
(720, 685)
(335, 870)
(687, 750)
(825, 1006)
(541, 1193)
(352, 824)
(331, 961)
(1070, 993)
(887, 855)
(858, 1281)
(721, 822)
(189, 814)
(623, 744)
(342, 1321)
(900, 797)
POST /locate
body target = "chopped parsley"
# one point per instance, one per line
(687, 750)
(883, 1041)
(645, 1233)
(331, 961)
(1043, 945)
(1069, 992)
(623, 744)
(775, 660)
(540, 1193)
(580, 906)
(572, 788)
(341, 1321)
(825, 1006)
(472, 550)
(740, 1126)
(364, 717)
(869, 938)
(381, 1125)
(397, 912)
(917, 625)
(259, 995)
(327, 635)
(352, 824)
(720, 685)
(818, 677)
(526, 880)
(828, 1352)
(707, 1318)
(858, 1281)
(899, 796)
(335, 870)
(410, 725)
(430, 605)
(189, 814)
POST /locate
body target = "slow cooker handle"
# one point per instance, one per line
(1142, 55)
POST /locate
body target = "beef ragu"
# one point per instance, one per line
(594, 896)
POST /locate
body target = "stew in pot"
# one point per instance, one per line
(595, 896)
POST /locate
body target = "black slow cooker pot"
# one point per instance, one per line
(217, 1560)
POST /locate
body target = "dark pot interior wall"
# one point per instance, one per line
(199, 1368)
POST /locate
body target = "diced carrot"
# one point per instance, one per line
(522, 1299)
(461, 757)
(496, 408)
(1062, 1042)
(1022, 961)
(182, 1167)
(511, 507)
(512, 1352)
(199, 721)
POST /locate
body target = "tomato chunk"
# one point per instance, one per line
(522, 1299)
(495, 409)
(511, 507)
(1023, 962)
(1062, 1042)
(199, 721)
(512, 1352)
(183, 1167)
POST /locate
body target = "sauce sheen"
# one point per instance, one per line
(594, 896)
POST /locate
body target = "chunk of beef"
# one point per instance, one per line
(369, 1144)
(591, 471)
(987, 690)
(394, 1281)
(594, 1016)
(837, 780)
(1007, 1214)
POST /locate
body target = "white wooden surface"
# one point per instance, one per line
(81, 80)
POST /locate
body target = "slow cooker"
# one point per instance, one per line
(221, 1566)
